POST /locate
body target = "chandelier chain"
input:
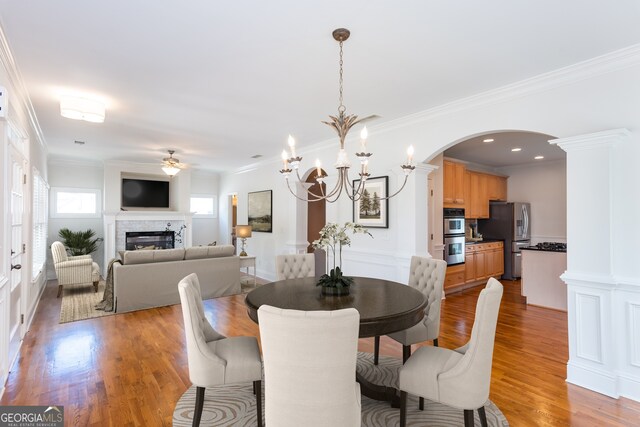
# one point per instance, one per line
(341, 107)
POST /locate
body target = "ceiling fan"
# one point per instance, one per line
(170, 165)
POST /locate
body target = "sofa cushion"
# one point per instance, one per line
(199, 252)
(144, 257)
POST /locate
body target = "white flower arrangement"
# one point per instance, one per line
(333, 236)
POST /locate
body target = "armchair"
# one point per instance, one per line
(73, 270)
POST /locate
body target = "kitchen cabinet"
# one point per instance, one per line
(453, 191)
(482, 260)
(479, 189)
(478, 199)
(497, 187)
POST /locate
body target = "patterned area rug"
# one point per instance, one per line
(78, 303)
(235, 405)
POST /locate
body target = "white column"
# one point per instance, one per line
(412, 205)
(297, 228)
(599, 332)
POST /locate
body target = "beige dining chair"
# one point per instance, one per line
(295, 266)
(459, 378)
(74, 270)
(427, 276)
(213, 358)
(310, 367)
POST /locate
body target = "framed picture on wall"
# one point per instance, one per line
(260, 211)
(370, 210)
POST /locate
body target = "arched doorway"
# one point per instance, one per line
(316, 211)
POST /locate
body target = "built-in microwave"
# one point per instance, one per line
(453, 221)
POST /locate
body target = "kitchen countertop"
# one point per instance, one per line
(535, 248)
(482, 241)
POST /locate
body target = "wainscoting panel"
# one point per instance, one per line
(634, 333)
(589, 337)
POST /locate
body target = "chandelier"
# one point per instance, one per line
(341, 123)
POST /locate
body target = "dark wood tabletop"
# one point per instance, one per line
(384, 306)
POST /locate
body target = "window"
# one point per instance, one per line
(204, 205)
(75, 203)
(40, 213)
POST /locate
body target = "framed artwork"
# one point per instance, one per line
(370, 211)
(260, 211)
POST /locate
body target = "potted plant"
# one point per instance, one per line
(79, 242)
(332, 237)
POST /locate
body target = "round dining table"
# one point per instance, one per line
(384, 306)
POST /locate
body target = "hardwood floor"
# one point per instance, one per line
(130, 369)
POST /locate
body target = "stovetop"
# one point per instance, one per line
(549, 246)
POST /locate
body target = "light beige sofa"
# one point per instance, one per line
(149, 279)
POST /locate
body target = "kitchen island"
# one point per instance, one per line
(542, 266)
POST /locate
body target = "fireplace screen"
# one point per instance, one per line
(149, 240)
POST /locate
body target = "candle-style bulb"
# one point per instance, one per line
(318, 168)
(285, 156)
(363, 140)
(292, 145)
(409, 154)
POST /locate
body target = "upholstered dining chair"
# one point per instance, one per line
(310, 367)
(295, 266)
(73, 270)
(213, 358)
(427, 276)
(459, 378)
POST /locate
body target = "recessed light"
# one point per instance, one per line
(538, 157)
(516, 149)
(256, 156)
(78, 142)
(488, 140)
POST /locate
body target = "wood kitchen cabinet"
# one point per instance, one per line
(482, 260)
(479, 189)
(497, 187)
(453, 191)
(476, 185)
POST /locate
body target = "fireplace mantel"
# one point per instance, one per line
(117, 223)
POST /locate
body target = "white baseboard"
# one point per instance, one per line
(629, 387)
(592, 379)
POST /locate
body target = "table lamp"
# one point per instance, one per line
(243, 231)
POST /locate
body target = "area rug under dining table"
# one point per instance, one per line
(234, 405)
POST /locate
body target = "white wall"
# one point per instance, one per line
(544, 185)
(75, 174)
(205, 230)
(179, 189)
(593, 96)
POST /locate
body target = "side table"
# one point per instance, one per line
(246, 262)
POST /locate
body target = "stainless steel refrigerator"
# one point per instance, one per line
(510, 222)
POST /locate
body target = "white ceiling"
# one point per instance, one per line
(497, 153)
(222, 81)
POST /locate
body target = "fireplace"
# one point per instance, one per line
(149, 240)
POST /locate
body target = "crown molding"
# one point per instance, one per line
(603, 64)
(592, 140)
(17, 83)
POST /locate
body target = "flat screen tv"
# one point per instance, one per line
(143, 193)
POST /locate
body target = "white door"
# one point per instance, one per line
(17, 185)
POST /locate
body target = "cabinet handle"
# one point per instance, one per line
(16, 267)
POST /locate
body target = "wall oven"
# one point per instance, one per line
(454, 236)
